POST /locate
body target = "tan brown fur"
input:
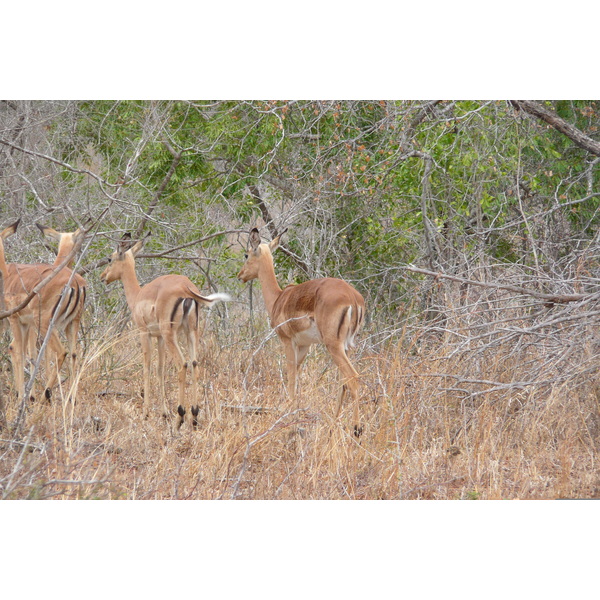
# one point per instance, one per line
(324, 310)
(163, 309)
(34, 320)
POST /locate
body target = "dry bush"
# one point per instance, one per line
(466, 408)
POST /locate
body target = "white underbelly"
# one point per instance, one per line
(308, 336)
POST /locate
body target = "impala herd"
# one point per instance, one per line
(326, 310)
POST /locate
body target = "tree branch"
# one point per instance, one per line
(160, 191)
(550, 117)
(551, 298)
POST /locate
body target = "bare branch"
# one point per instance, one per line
(550, 117)
(550, 298)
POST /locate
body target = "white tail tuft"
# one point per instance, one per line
(219, 297)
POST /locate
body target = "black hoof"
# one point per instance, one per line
(195, 412)
(358, 429)
(48, 394)
(181, 411)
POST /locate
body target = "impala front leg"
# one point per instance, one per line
(17, 355)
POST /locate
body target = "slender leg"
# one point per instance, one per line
(183, 405)
(192, 336)
(349, 378)
(290, 355)
(57, 350)
(300, 353)
(71, 331)
(175, 351)
(147, 355)
(17, 352)
(161, 375)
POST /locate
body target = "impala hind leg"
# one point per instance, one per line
(147, 358)
(56, 350)
(349, 377)
(71, 331)
(161, 376)
(174, 350)
(193, 354)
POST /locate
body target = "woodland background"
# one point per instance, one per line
(470, 227)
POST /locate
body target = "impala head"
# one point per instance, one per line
(257, 255)
(124, 255)
(66, 240)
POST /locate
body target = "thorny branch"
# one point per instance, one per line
(549, 298)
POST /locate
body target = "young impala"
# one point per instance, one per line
(60, 302)
(165, 308)
(325, 310)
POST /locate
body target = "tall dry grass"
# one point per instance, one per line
(439, 424)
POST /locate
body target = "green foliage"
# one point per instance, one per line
(347, 175)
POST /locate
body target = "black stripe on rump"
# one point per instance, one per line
(188, 303)
(342, 319)
(75, 304)
(58, 302)
(175, 307)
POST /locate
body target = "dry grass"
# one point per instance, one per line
(425, 437)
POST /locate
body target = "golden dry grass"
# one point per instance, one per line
(422, 439)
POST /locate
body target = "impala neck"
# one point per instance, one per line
(65, 246)
(268, 282)
(3, 267)
(130, 282)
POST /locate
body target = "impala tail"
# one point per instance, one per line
(212, 298)
(185, 308)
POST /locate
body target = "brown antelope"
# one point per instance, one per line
(324, 310)
(162, 309)
(54, 305)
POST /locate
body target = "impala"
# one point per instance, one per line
(58, 304)
(324, 310)
(163, 309)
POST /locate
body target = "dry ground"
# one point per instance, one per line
(424, 438)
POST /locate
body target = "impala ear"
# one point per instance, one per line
(254, 239)
(275, 243)
(124, 243)
(8, 231)
(137, 247)
(49, 232)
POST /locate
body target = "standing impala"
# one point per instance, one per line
(61, 302)
(324, 310)
(164, 308)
